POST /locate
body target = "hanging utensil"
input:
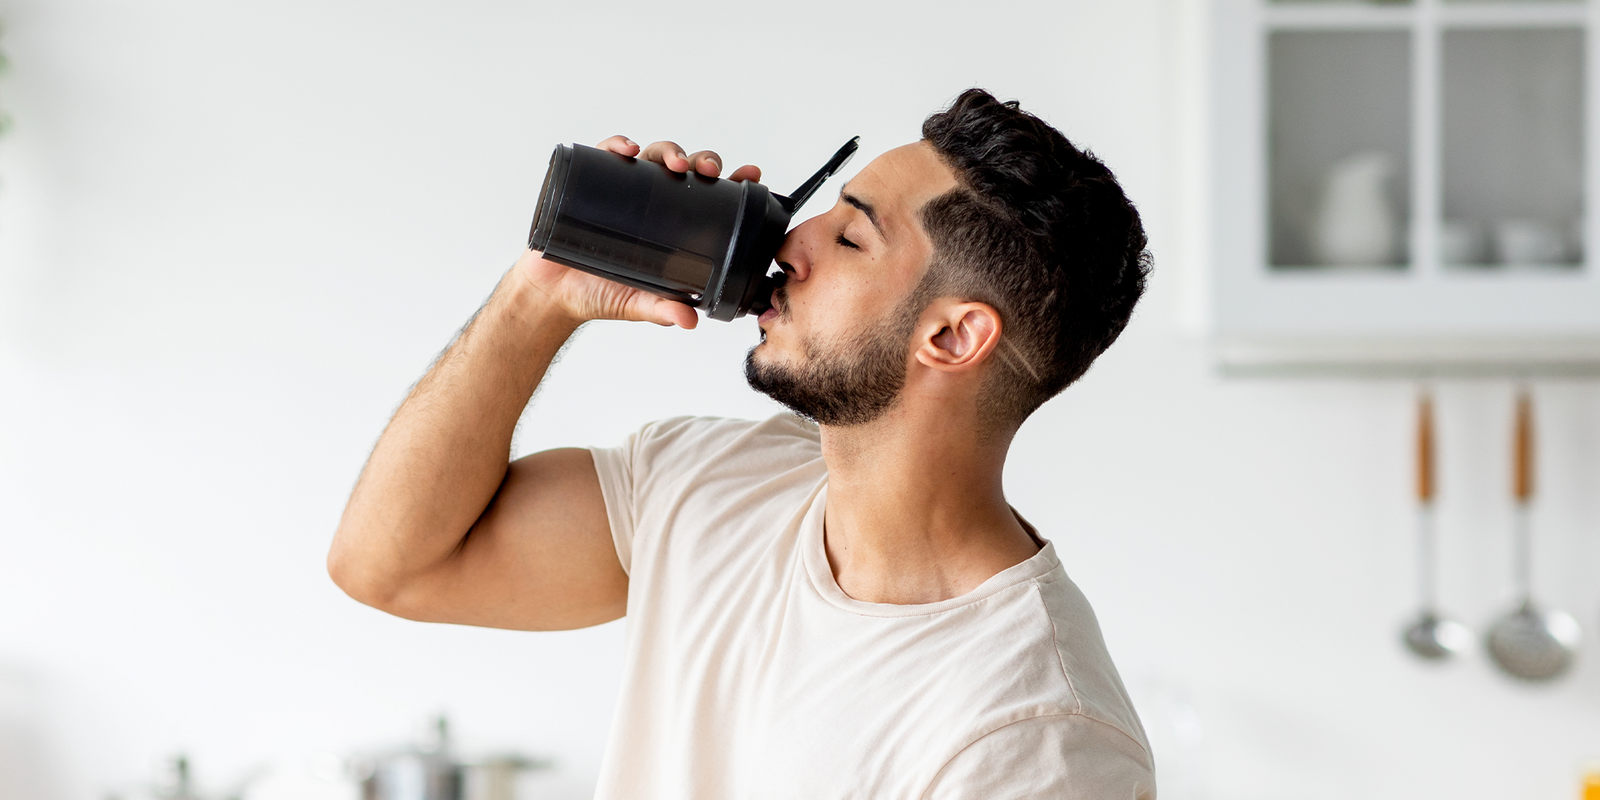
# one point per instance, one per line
(1530, 643)
(1429, 636)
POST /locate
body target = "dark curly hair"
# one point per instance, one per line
(1041, 231)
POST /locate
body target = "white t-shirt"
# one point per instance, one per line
(751, 675)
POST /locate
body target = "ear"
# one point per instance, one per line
(958, 335)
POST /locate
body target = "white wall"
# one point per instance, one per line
(232, 235)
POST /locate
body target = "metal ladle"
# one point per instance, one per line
(1430, 636)
(1530, 643)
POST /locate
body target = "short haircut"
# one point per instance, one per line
(1041, 231)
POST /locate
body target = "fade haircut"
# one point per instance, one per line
(1041, 231)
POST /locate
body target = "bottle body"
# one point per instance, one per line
(703, 241)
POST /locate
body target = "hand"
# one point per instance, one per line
(670, 155)
(587, 297)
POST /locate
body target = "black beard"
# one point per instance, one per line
(848, 384)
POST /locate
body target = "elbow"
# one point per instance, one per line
(356, 576)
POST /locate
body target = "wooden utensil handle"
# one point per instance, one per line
(1425, 474)
(1522, 482)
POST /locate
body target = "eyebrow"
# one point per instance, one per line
(865, 208)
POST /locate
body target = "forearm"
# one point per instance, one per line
(441, 526)
(442, 457)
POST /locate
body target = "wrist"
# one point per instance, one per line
(531, 298)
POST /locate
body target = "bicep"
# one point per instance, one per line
(540, 557)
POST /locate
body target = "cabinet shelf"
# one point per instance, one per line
(1415, 359)
(1390, 16)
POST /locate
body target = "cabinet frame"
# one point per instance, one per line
(1425, 319)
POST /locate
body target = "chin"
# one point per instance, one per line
(768, 356)
(762, 354)
(766, 350)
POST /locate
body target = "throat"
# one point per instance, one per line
(881, 556)
(916, 510)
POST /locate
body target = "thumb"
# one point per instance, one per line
(671, 312)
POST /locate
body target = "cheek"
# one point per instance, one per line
(826, 308)
(850, 307)
(840, 293)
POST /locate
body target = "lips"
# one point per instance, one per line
(778, 296)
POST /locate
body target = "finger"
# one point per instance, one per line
(620, 144)
(668, 154)
(707, 163)
(748, 172)
(666, 312)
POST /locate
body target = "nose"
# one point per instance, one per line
(794, 257)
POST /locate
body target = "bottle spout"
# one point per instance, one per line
(793, 202)
(763, 294)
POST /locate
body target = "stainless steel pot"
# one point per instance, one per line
(431, 771)
(413, 776)
(175, 781)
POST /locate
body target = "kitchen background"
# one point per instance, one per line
(232, 235)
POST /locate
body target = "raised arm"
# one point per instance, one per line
(440, 527)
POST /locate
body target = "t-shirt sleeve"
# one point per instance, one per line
(1057, 756)
(660, 463)
(615, 466)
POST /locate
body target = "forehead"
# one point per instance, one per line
(900, 182)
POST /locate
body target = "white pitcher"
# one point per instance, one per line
(1356, 224)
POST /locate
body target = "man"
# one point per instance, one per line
(844, 609)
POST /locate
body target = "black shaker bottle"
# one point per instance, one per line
(707, 242)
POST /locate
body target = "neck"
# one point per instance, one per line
(916, 510)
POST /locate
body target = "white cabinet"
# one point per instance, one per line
(1402, 186)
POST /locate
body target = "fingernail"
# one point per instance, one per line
(682, 156)
(630, 141)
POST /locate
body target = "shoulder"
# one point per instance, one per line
(671, 457)
(1050, 755)
(692, 472)
(1085, 662)
(1036, 667)
(685, 444)
(674, 449)
(1066, 727)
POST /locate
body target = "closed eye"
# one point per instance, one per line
(843, 242)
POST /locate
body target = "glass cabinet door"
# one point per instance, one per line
(1512, 153)
(1338, 148)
